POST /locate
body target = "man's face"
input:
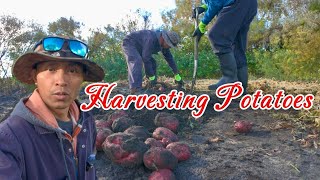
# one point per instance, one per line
(163, 44)
(58, 83)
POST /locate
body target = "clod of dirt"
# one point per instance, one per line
(180, 150)
(166, 120)
(102, 134)
(243, 126)
(122, 123)
(138, 131)
(163, 174)
(153, 142)
(165, 135)
(159, 158)
(124, 149)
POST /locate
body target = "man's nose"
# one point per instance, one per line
(61, 78)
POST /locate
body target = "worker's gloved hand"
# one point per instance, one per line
(200, 30)
(200, 10)
(198, 34)
(152, 81)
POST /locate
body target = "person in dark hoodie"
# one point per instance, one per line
(228, 36)
(47, 136)
(139, 46)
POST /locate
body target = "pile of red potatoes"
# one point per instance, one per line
(129, 145)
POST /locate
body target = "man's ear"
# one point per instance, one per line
(161, 40)
(33, 74)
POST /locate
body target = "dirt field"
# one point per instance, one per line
(283, 144)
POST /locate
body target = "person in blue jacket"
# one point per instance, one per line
(228, 36)
(47, 136)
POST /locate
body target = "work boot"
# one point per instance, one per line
(151, 83)
(228, 67)
(243, 78)
(180, 85)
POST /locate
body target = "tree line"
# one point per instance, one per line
(283, 41)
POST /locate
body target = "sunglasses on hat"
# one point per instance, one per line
(53, 44)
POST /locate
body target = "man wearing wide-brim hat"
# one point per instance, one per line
(139, 47)
(47, 136)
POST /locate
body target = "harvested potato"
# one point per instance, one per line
(153, 142)
(103, 124)
(243, 126)
(165, 135)
(166, 120)
(138, 131)
(159, 158)
(122, 123)
(180, 150)
(124, 149)
(102, 134)
(162, 174)
(115, 115)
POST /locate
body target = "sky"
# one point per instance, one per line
(93, 13)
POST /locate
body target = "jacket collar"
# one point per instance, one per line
(36, 105)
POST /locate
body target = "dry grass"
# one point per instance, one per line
(10, 86)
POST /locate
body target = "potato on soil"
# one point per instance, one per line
(108, 122)
(243, 126)
(116, 114)
(153, 142)
(180, 150)
(166, 120)
(165, 135)
(102, 134)
(138, 131)
(159, 158)
(124, 149)
(165, 142)
(122, 123)
(162, 174)
(103, 124)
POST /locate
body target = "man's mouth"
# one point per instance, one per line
(61, 95)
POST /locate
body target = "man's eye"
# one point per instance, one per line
(51, 69)
(74, 71)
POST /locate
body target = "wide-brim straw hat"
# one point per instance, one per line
(27, 62)
(171, 38)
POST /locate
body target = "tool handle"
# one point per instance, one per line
(196, 55)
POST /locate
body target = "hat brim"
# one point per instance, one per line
(23, 66)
